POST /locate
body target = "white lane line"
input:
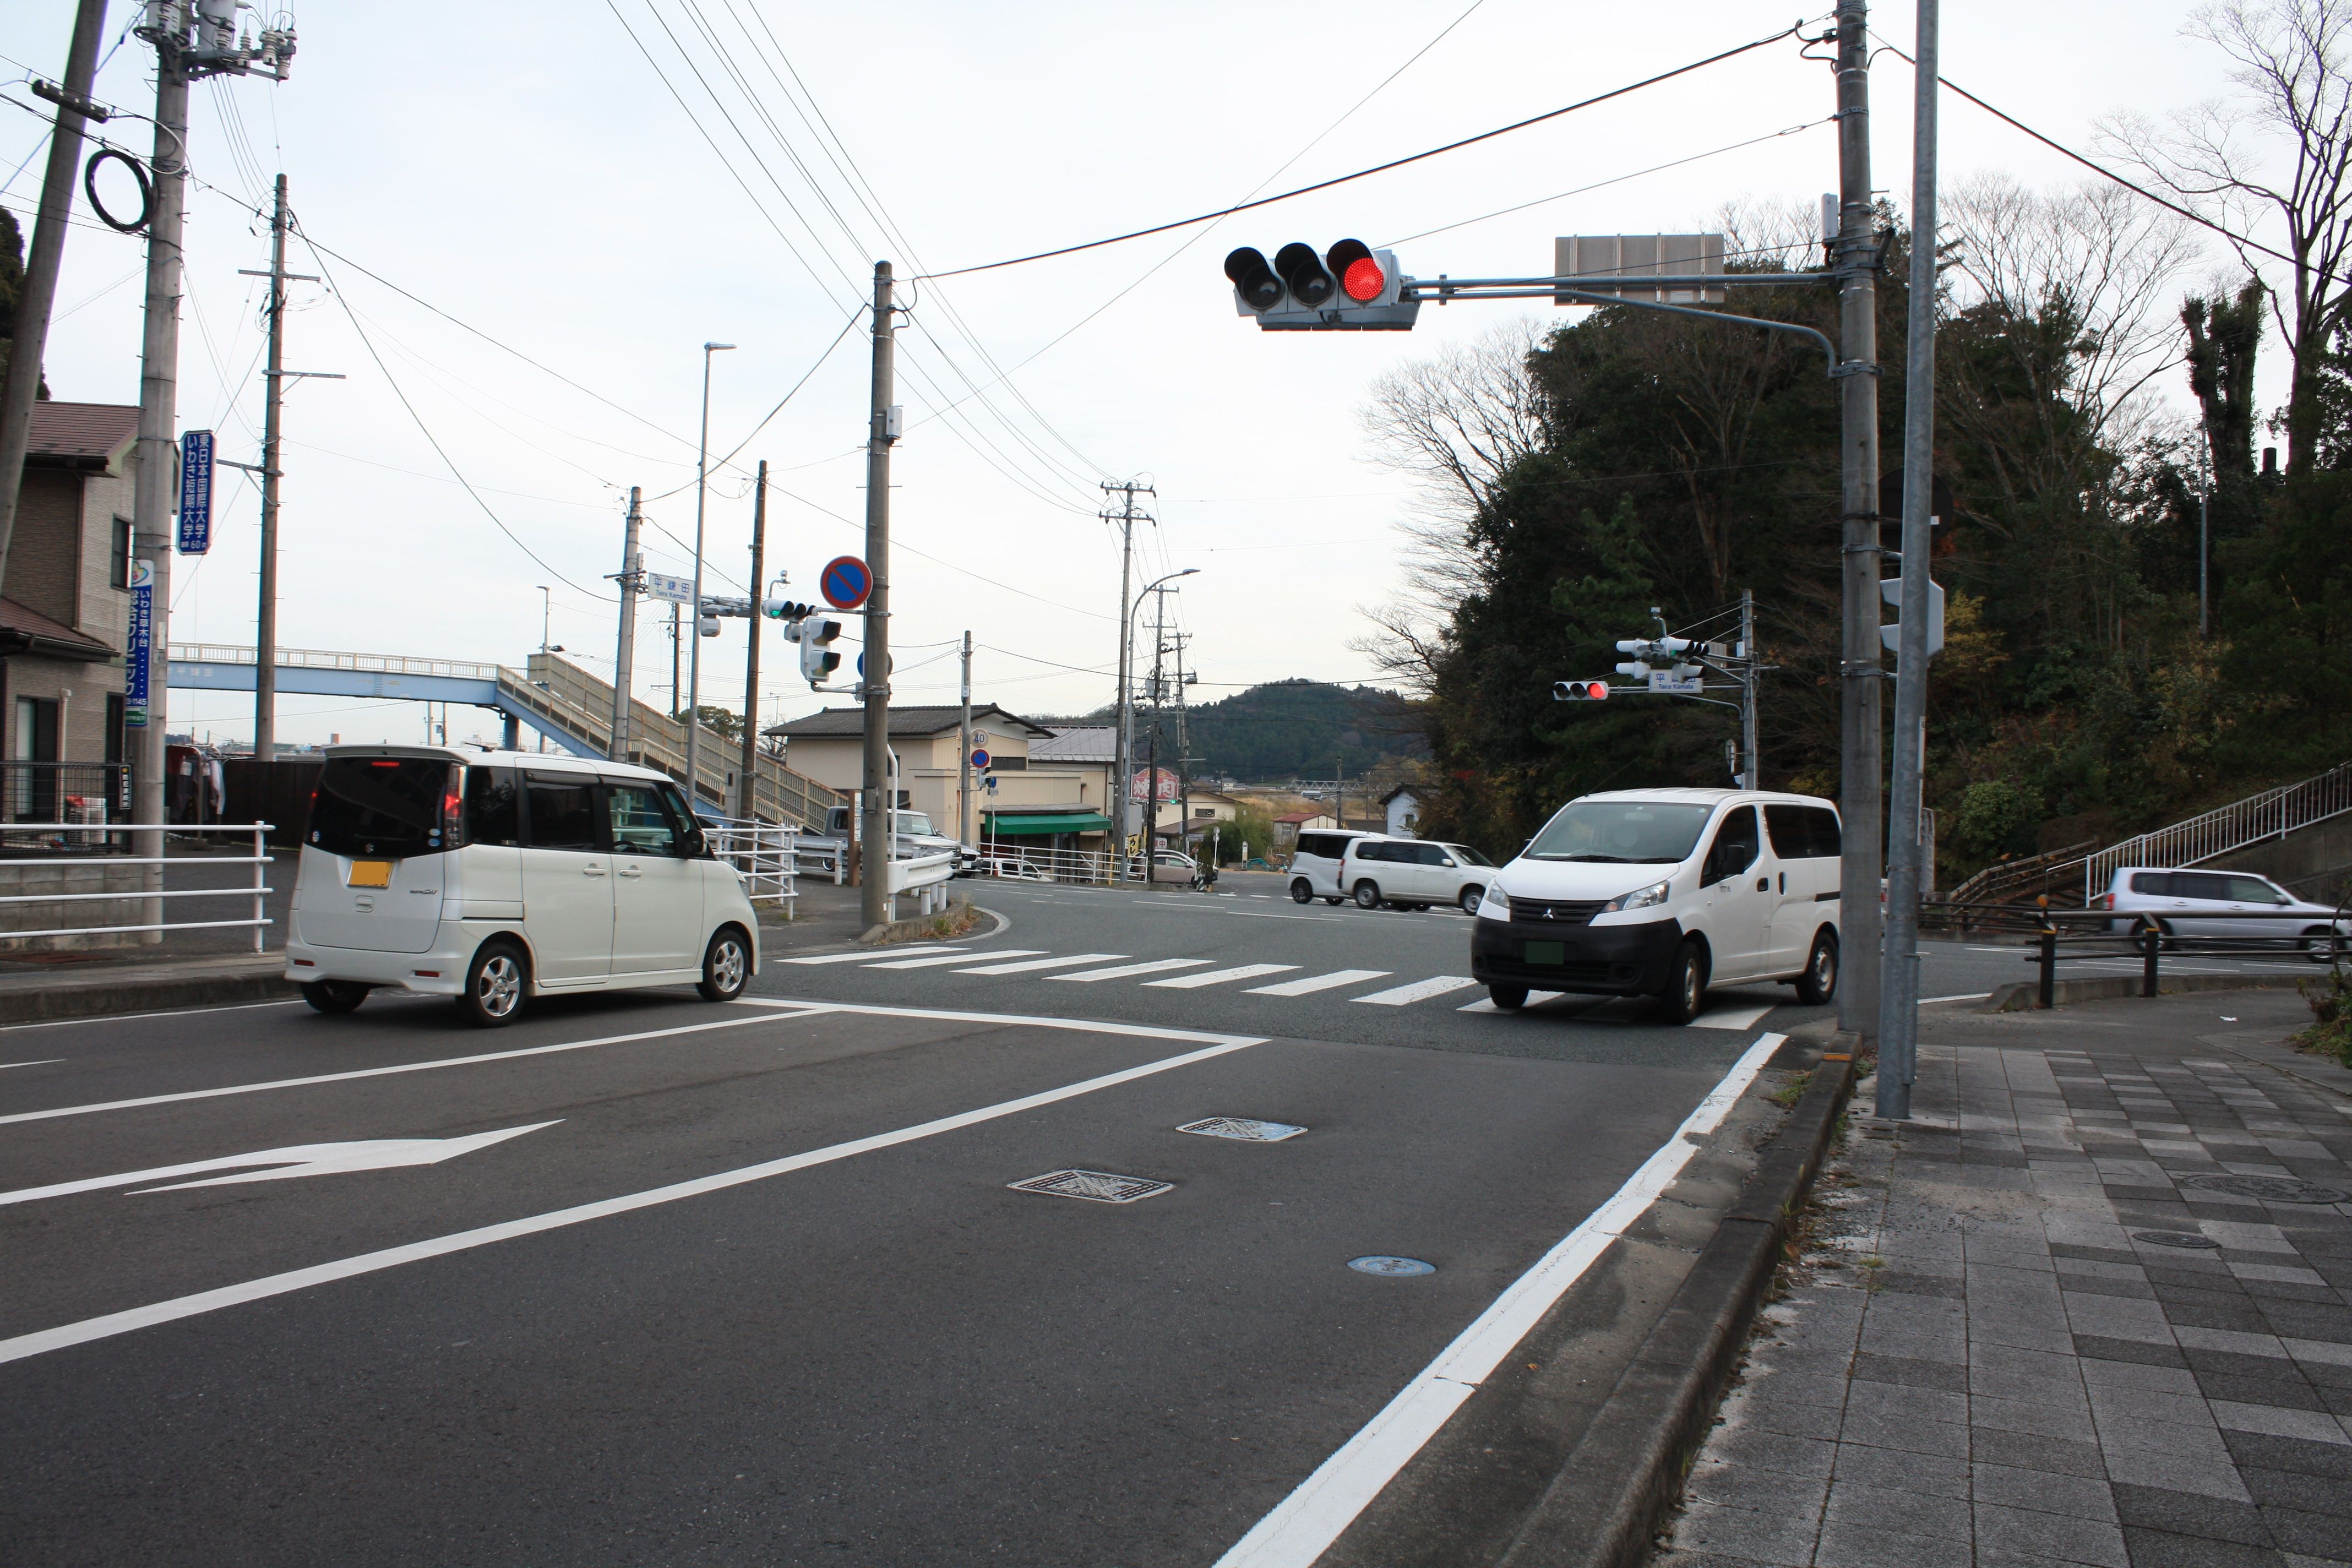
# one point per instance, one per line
(387, 1072)
(865, 957)
(1315, 983)
(1223, 976)
(1038, 1021)
(48, 1061)
(1972, 997)
(1488, 1006)
(1025, 965)
(1732, 1017)
(132, 1018)
(123, 1322)
(1304, 1524)
(1155, 966)
(934, 960)
(1419, 991)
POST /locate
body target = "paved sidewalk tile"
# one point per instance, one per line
(2002, 1354)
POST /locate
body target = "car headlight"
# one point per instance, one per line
(1639, 899)
(1495, 904)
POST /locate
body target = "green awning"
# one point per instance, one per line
(999, 826)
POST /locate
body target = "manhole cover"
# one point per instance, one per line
(1395, 1268)
(2270, 1189)
(2183, 1238)
(1246, 1129)
(1095, 1186)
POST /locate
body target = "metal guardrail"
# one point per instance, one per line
(2005, 880)
(927, 877)
(2273, 813)
(1009, 861)
(258, 892)
(766, 857)
(2322, 939)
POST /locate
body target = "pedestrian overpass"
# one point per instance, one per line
(556, 698)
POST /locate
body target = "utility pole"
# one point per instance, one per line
(1123, 749)
(1151, 790)
(752, 660)
(963, 750)
(1183, 742)
(694, 658)
(38, 291)
(677, 653)
(873, 903)
(1752, 774)
(631, 577)
(1899, 984)
(1856, 264)
(2204, 624)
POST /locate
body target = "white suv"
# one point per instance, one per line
(2202, 903)
(492, 877)
(1414, 873)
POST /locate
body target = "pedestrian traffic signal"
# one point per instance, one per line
(1579, 691)
(818, 660)
(1349, 288)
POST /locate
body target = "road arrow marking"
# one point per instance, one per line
(301, 1160)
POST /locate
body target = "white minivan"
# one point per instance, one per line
(493, 876)
(1662, 892)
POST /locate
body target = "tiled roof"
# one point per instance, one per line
(913, 721)
(1077, 744)
(29, 631)
(1298, 817)
(81, 435)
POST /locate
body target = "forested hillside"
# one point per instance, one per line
(1285, 729)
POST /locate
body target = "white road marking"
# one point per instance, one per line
(1488, 1006)
(1305, 1524)
(1419, 991)
(1024, 966)
(174, 1012)
(1223, 976)
(1155, 966)
(48, 1061)
(935, 960)
(390, 1071)
(1732, 1017)
(113, 1323)
(865, 957)
(1315, 983)
(1972, 997)
(302, 1160)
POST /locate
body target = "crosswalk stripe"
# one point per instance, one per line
(1220, 976)
(866, 957)
(1488, 1006)
(1314, 983)
(1021, 967)
(933, 960)
(1419, 991)
(1122, 971)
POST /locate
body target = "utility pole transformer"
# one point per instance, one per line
(1856, 264)
(749, 793)
(1899, 984)
(873, 887)
(631, 578)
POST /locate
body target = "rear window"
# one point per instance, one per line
(2155, 883)
(563, 811)
(380, 805)
(493, 807)
(1802, 832)
(1329, 846)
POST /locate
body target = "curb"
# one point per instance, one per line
(2018, 996)
(1627, 1470)
(53, 1003)
(908, 929)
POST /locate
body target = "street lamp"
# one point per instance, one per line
(1125, 750)
(694, 660)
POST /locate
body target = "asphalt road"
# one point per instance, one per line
(658, 1282)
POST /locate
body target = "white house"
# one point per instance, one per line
(1403, 808)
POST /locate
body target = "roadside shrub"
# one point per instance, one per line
(2331, 1005)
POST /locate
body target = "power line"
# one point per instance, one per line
(1377, 168)
(853, 318)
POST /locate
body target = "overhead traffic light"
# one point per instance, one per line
(1349, 288)
(1579, 691)
(785, 610)
(815, 636)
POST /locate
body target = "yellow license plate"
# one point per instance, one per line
(371, 874)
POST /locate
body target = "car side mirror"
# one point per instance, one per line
(1449, 862)
(690, 846)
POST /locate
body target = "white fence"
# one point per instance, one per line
(2270, 814)
(926, 877)
(258, 892)
(767, 858)
(1011, 860)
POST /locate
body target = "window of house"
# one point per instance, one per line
(118, 563)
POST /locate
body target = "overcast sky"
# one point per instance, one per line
(524, 168)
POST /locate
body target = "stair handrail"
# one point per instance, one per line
(2002, 877)
(2273, 813)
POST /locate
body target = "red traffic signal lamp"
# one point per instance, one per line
(1349, 288)
(1579, 691)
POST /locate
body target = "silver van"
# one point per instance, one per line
(493, 876)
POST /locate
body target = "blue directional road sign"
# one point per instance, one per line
(195, 492)
(845, 581)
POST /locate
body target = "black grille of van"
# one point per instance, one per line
(1556, 912)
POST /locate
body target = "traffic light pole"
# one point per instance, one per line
(873, 903)
(1856, 264)
(1899, 985)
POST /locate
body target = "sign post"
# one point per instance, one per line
(195, 492)
(140, 652)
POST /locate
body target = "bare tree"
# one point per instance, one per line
(2292, 114)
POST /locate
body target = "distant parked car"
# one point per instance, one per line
(2217, 903)
(1167, 865)
(1008, 867)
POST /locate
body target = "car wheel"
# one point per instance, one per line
(2316, 946)
(1686, 991)
(1368, 894)
(1818, 985)
(1471, 899)
(497, 983)
(334, 995)
(726, 966)
(1302, 891)
(1509, 998)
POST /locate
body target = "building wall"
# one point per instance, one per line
(1403, 815)
(60, 563)
(45, 552)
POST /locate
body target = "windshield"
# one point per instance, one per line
(379, 805)
(1468, 856)
(1624, 832)
(915, 825)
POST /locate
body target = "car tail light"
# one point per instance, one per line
(2107, 902)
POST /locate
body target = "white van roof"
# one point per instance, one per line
(547, 762)
(1706, 796)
